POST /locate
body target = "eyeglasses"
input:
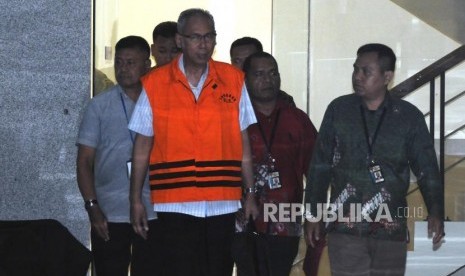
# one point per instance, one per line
(197, 38)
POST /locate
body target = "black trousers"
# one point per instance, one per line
(244, 254)
(125, 250)
(264, 255)
(196, 246)
(41, 248)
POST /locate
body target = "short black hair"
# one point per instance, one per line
(386, 57)
(246, 40)
(166, 29)
(133, 42)
(248, 60)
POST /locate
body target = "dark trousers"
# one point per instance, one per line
(196, 246)
(126, 249)
(264, 255)
(352, 255)
(244, 254)
(312, 258)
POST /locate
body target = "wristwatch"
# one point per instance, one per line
(89, 203)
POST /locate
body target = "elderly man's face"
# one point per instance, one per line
(197, 41)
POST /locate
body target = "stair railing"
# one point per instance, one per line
(429, 74)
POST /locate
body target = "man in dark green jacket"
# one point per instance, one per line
(367, 144)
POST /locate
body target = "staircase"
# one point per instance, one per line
(452, 166)
(429, 75)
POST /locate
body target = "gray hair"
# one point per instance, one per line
(187, 14)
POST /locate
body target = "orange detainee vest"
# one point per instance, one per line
(197, 149)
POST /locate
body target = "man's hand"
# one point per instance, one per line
(140, 162)
(139, 219)
(99, 222)
(250, 206)
(313, 232)
(436, 227)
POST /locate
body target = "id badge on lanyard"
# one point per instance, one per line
(273, 174)
(129, 165)
(376, 174)
(129, 162)
(374, 169)
(272, 177)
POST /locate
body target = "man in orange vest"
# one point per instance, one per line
(191, 123)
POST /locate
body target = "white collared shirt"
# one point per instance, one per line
(141, 122)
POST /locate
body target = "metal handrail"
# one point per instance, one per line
(461, 94)
(429, 74)
(455, 131)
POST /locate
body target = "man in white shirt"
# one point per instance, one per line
(191, 122)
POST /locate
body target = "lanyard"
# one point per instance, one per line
(273, 132)
(126, 114)
(371, 142)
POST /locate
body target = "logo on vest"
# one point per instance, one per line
(227, 98)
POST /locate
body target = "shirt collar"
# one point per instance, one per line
(387, 102)
(195, 89)
(183, 70)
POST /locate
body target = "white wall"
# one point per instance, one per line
(290, 47)
(233, 19)
(339, 27)
(280, 25)
(316, 59)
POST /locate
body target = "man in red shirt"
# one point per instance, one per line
(282, 144)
